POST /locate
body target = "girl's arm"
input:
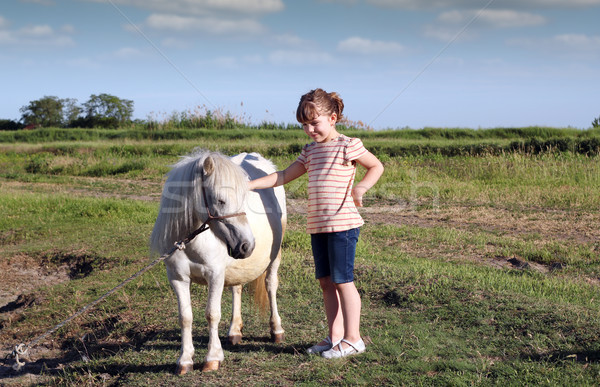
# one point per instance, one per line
(294, 171)
(374, 172)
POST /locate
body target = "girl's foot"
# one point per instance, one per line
(324, 345)
(337, 351)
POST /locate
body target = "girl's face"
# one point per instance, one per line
(322, 128)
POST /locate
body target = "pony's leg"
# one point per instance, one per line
(213, 316)
(182, 290)
(272, 283)
(235, 328)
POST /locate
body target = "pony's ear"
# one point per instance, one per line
(209, 166)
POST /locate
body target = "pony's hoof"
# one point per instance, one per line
(211, 365)
(277, 337)
(184, 369)
(235, 339)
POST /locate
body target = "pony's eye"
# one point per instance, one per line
(221, 202)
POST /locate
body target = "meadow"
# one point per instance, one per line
(479, 263)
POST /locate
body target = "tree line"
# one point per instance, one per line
(99, 111)
(108, 111)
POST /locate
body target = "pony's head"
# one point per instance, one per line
(225, 188)
(200, 184)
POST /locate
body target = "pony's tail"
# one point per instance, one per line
(261, 298)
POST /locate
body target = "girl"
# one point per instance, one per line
(333, 220)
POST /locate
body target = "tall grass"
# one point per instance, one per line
(550, 180)
(450, 142)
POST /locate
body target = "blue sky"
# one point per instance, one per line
(396, 63)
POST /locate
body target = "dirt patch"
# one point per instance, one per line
(84, 186)
(22, 274)
(21, 277)
(543, 226)
(550, 225)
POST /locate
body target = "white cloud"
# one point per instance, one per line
(83, 62)
(343, 2)
(175, 43)
(37, 31)
(233, 62)
(290, 40)
(228, 62)
(42, 2)
(67, 29)
(127, 53)
(517, 4)
(564, 44)
(411, 4)
(357, 45)
(449, 23)
(6, 37)
(212, 25)
(578, 41)
(3, 23)
(299, 57)
(33, 35)
(499, 18)
(203, 7)
(253, 59)
(446, 33)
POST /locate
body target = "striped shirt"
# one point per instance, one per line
(331, 170)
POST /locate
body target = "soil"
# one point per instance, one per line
(21, 275)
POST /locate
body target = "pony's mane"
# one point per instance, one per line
(182, 199)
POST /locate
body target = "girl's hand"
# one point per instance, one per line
(357, 195)
(374, 171)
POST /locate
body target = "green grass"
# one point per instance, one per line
(549, 180)
(437, 307)
(431, 322)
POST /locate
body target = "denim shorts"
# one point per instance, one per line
(334, 254)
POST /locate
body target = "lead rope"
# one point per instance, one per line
(22, 349)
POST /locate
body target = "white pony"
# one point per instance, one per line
(242, 243)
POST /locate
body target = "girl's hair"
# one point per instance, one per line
(317, 102)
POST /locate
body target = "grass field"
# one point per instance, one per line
(479, 263)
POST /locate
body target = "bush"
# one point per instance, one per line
(10, 125)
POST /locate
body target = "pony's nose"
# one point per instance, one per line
(242, 250)
(246, 249)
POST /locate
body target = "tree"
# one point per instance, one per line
(46, 111)
(10, 125)
(596, 123)
(108, 110)
(72, 111)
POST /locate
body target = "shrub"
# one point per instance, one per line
(10, 125)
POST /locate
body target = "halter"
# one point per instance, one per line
(210, 218)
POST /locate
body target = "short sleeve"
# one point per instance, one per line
(302, 158)
(354, 150)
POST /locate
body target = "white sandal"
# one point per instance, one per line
(316, 349)
(353, 349)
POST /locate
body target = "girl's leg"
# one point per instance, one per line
(350, 306)
(335, 321)
(343, 249)
(331, 300)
